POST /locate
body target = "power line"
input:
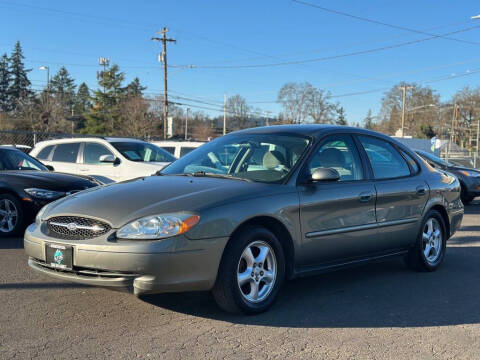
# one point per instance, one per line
(333, 57)
(381, 23)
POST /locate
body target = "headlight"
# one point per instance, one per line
(38, 218)
(44, 194)
(470, 173)
(158, 226)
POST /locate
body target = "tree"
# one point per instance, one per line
(5, 81)
(421, 109)
(468, 102)
(368, 122)
(134, 117)
(237, 111)
(302, 102)
(135, 88)
(62, 89)
(20, 85)
(341, 119)
(82, 100)
(103, 117)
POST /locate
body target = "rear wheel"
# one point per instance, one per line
(11, 215)
(251, 272)
(429, 250)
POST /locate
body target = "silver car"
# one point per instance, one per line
(247, 211)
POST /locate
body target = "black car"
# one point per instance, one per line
(469, 178)
(26, 185)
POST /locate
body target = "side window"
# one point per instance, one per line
(386, 161)
(93, 151)
(413, 163)
(170, 149)
(45, 152)
(66, 152)
(185, 150)
(338, 152)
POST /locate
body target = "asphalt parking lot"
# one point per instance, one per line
(378, 311)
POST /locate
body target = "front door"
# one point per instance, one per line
(337, 218)
(92, 166)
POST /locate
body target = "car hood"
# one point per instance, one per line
(460, 168)
(123, 202)
(47, 180)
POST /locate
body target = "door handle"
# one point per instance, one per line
(421, 190)
(365, 196)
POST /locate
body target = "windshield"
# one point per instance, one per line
(257, 157)
(434, 158)
(18, 160)
(142, 151)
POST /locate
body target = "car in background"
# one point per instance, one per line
(105, 158)
(25, 148)
(469, 178)
(26, 185)
(291, 200)
(179, 148)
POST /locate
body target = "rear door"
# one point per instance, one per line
(65, 158)
(401, 192)
(337, 218)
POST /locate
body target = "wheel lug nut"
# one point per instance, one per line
(253, 274)
(261, 273)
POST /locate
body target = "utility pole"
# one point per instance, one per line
(224, 114)
(103, 62)
(266, 118)
(163, 59)
(404, 89)
(186, 124)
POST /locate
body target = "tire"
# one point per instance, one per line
(465, 197)
(11, 216)
(268, 278)
(429, 250)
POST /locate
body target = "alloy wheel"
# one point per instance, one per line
(8, 216)
(257, 271)
(432, 241)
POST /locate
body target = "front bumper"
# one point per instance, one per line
(171, 265)
(472, 185)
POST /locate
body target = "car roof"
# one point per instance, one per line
(314, 130)
(85, 139)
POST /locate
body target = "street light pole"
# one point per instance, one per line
(186, 124)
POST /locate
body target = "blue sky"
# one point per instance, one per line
(252, 32)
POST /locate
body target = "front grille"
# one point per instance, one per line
(76, 228)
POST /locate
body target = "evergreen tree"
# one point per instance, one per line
(341, 119)
(62, 89)
(20, 85)
(83, 103)
(103, 118)
(135, 88)
(5, 81)
(368, 121)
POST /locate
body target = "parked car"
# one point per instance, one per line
(469, 178)
(318, 201)
(24, 148)
(178, 148)
(105, 158)
(26, 185)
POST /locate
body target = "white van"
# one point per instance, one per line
(105, 158)
(179, 148)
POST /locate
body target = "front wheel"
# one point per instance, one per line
(251, 272)
(429, 250)
(11, 215)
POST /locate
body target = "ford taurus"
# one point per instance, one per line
(243, 213)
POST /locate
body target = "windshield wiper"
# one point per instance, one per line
(221, 176)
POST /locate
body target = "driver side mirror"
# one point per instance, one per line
(325, 174)
(109, 159)
(50, 167)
